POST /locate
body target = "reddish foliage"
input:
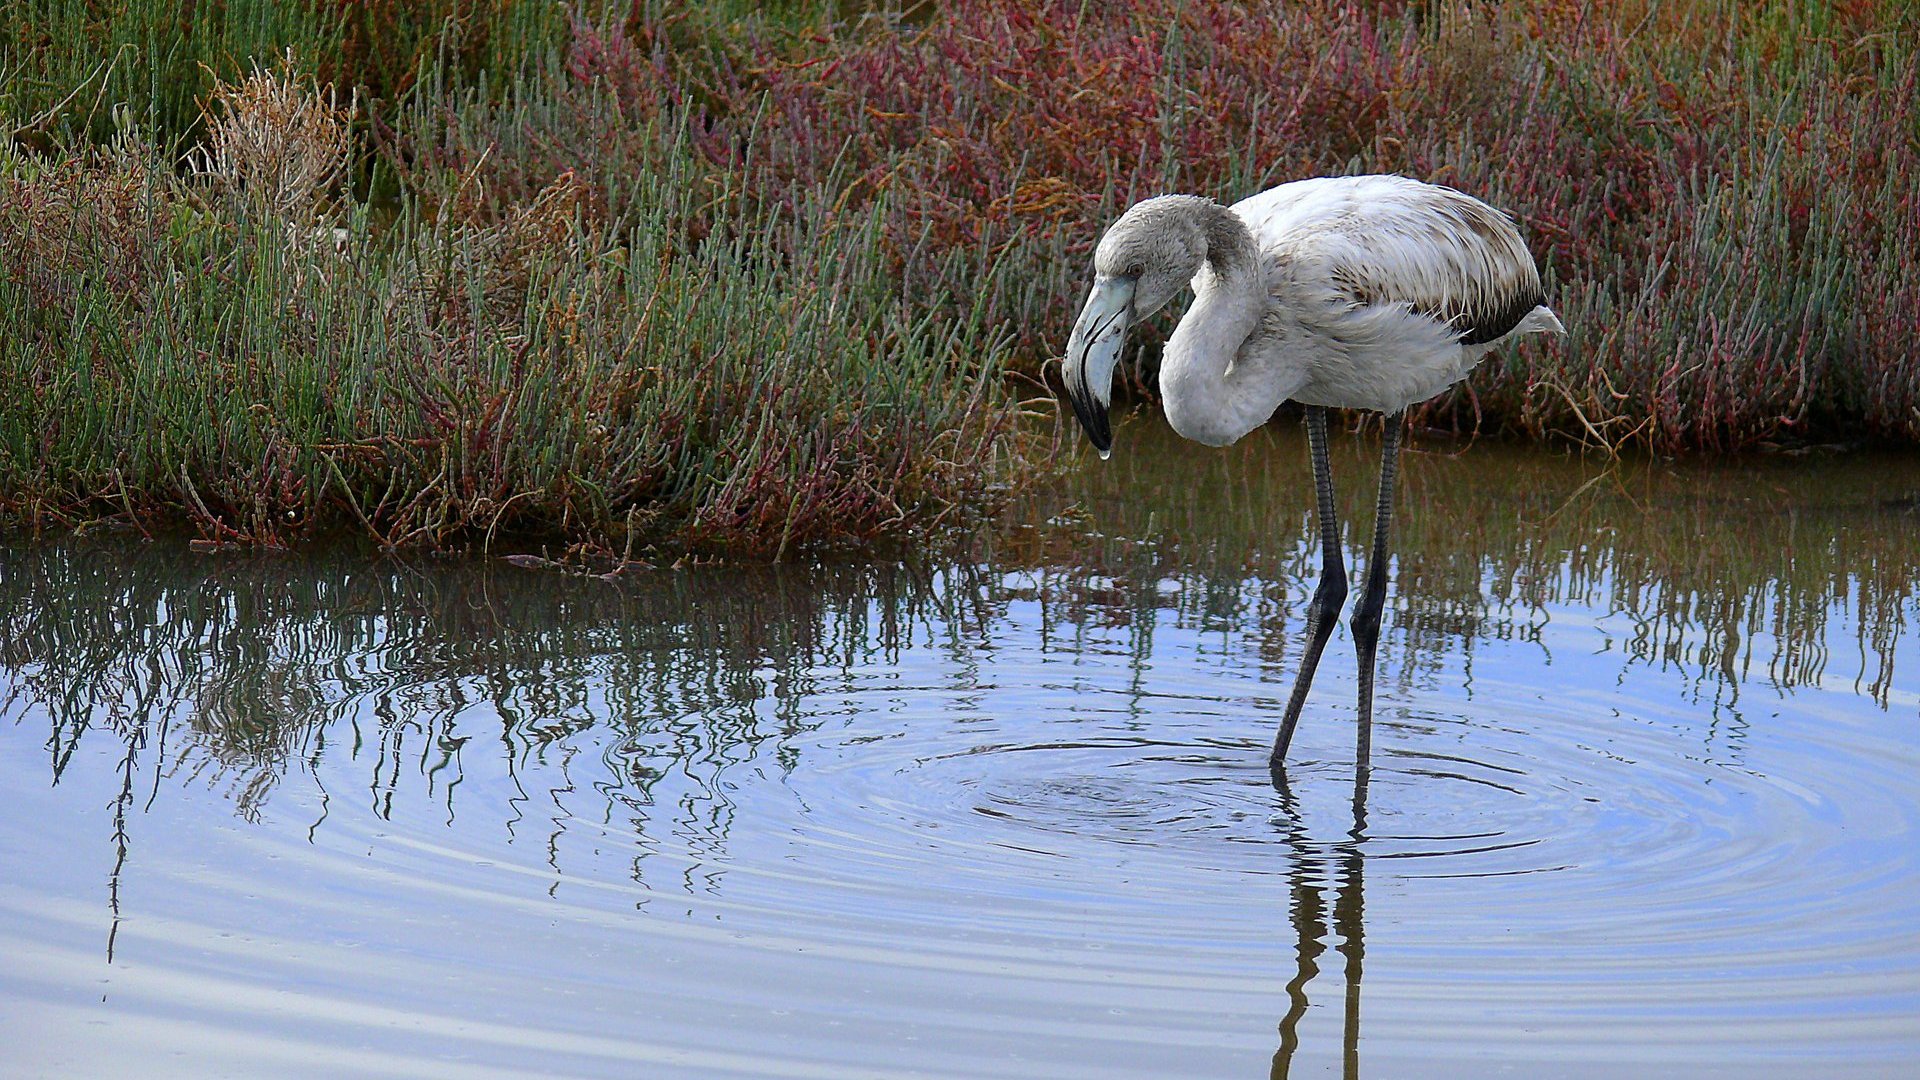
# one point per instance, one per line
(1723, 197)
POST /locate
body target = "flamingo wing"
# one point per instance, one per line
(1344, 244)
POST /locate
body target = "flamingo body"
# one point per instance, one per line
(1390, 290)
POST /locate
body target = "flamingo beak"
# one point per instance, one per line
(1092, 353)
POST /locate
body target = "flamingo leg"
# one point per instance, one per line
(1373, 599)
(1324, 610)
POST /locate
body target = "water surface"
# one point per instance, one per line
(1646, 793)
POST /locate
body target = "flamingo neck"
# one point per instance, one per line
(1213, 389)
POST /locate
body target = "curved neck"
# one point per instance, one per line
(1214, 389)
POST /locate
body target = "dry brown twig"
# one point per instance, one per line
(279, 141)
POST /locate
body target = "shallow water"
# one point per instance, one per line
(1646, 793)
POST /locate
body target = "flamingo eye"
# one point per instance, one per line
(1135, 270)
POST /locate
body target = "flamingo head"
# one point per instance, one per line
(1145, 259)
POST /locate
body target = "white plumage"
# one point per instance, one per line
(1400, 286)
(1359, 292)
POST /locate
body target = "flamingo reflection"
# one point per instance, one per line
(1315, 919)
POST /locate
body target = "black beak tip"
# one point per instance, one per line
(1093, 418)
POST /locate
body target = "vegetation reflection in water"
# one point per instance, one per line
(242, 676)
(1693, 562)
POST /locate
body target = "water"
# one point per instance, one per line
(1646, 794)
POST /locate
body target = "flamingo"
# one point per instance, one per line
(1356, 292)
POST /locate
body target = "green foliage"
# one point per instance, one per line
(70, 63)
(187, 347)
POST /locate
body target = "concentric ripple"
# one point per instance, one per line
(899, 836)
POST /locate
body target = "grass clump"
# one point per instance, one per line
(211, 344)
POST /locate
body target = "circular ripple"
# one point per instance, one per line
(992, 861)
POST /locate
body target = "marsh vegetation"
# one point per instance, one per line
(634, 278)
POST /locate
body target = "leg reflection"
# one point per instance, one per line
(1311, 924)
(1308, 912)
(1348, 918)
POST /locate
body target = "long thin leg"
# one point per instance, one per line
(1366, 613)
(1324, 610)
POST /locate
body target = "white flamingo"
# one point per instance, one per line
(1358, 292)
